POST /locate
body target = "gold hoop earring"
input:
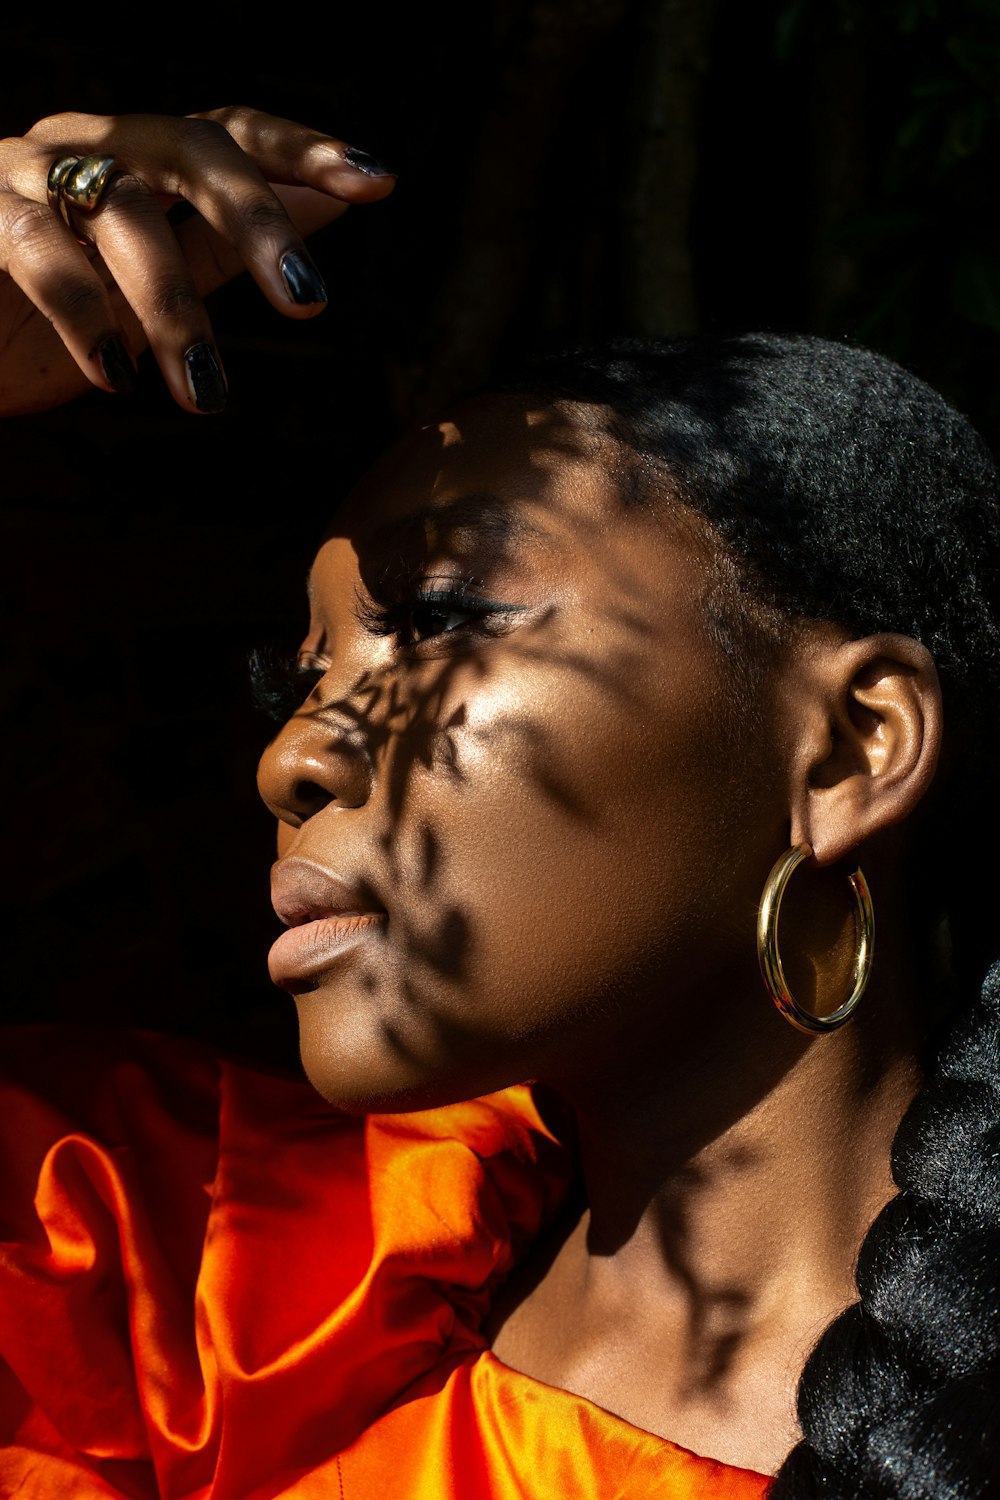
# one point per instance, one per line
(770, 959)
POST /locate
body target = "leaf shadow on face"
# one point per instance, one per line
(415, 725)
(414, 722)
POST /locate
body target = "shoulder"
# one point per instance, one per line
(195, 1248)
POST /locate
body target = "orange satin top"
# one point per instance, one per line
(213, 1284)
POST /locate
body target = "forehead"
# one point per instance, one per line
(511, 494)
(536, 506)
(501, 468)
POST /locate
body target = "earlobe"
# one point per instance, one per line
(878, 751)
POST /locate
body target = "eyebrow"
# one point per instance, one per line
(485, 515)
(480, 514)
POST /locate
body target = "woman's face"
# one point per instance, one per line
(523, 819)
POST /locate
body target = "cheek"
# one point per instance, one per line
(564, 835)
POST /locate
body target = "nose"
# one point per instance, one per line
(313, 762)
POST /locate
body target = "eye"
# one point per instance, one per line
(429, 614)
(440, 612)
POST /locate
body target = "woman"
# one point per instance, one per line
(591, 662)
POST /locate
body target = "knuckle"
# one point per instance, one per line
(230, 116)
(176, 301)
(26, 223)
(128, 192)
(65, 124)
(12, 152)
(264, 214)
(203, 135)
(77, 298)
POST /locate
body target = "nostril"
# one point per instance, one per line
(310, 797)
(306, 768)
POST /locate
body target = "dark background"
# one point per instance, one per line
(567, 171)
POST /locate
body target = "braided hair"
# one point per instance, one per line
(845, 489)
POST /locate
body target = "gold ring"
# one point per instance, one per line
(78, 183)
(54, 181)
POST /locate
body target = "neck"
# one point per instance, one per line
(676, 1158)
(724, 1220)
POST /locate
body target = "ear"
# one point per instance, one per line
(870, 739)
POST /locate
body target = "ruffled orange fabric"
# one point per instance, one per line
(213, 1284)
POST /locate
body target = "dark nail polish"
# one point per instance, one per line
(370, 165)
(303, 283)
(205, 378)
(116, 364)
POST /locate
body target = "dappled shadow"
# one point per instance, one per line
(564, 707)
(718, 1310)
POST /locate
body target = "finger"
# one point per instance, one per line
(197, 159)
(38, 252)
(226, 161)
(297, 156)
(142, 256)
(214, 261)
(205, 160)
(283, 150)
(144, 263)
(218, 179)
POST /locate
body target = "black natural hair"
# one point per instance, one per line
(847, 490)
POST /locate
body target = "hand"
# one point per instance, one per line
(72, 314)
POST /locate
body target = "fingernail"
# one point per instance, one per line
(370, 165)
(116, 364)
(206, 381)
(303, 283)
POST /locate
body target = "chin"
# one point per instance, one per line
(370, 1070)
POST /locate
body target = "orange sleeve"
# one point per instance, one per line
(212, 1284)
(209, 1278)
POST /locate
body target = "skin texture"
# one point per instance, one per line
(258, 183)
(543, 859)
(551, 819)
(556, 813)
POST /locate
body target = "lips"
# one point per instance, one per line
(327, 918)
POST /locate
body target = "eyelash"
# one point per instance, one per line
(398, 618)
(280, 684)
